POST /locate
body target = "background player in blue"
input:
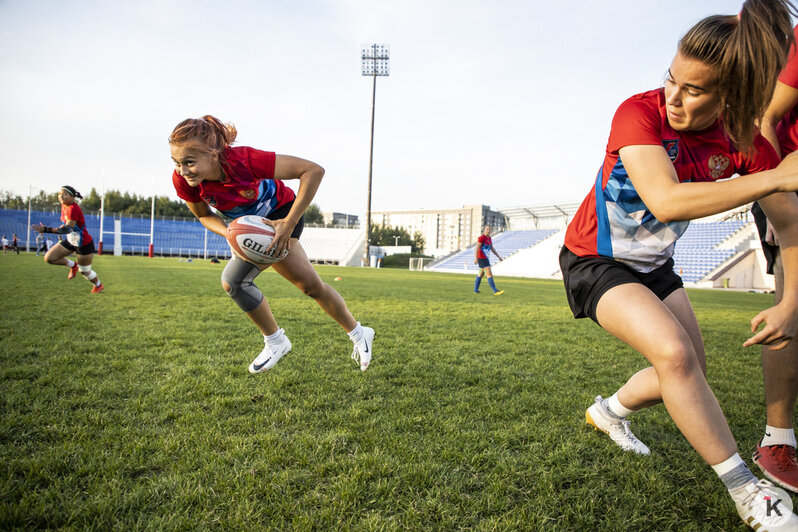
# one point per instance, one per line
(484, 245)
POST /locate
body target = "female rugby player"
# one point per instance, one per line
(76, 240)
(239, 181)
(669, 153)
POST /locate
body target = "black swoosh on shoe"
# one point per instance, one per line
(257, 367)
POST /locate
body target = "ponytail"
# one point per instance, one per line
(209, 130)
(748, 52)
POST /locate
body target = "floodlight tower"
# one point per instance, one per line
(374, 62)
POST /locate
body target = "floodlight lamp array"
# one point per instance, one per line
(375, 60)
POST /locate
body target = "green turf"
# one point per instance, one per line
(133, 409)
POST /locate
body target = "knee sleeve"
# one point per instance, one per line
(239, 274)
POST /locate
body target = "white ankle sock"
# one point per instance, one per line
(70, 263)
(734, 473)
(274, 338)
(777, 436)
(615, 406)
(728, 464)
(356, 334)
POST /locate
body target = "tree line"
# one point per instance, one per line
(126, 203)
(384, 235)
(121, 203)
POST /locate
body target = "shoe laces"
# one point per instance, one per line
(785, 457)
(627, 430)
(750, 499)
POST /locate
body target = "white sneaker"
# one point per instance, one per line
(617, 429)
(362, 352)
(764, 507)
(271, 354)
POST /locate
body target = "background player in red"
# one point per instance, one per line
(667, 158)
(77, 240)
(775, 452)
(240, 181)
(485, 245)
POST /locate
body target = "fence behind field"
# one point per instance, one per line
(174, 236)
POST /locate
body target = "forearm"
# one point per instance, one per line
(688, 201)
(309, 183)
(60, 230)
(214, 223)
(768, 130)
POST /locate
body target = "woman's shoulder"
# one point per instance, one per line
(245, 162)
(649, 101)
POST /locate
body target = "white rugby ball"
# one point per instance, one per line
(249, 236)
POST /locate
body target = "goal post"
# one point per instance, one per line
(418, 263)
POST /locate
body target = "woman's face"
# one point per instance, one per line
(691, 95)
(65, 197)
(195, 163)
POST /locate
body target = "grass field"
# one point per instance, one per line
(133, 409)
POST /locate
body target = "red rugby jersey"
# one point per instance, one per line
(788, 128)
(613, 221)
(249, 188)
(74, 212)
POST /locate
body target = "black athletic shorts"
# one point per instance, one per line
(586, 279)
(85, 249)
(483, 263)
(281, 212)
(762, 226)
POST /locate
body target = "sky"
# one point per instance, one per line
(496, 102)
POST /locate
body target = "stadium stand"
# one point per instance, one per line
(699, 251)
(506, 243)
(710, 253)
(182, 237)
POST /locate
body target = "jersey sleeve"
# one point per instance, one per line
(763, 158)
(185, 191)
(636, 122)
(261, 163)
(789, 75)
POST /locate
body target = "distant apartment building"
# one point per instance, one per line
(445, 231)
(340, 219)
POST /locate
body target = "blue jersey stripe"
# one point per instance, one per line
(603, 241)
(266, 202)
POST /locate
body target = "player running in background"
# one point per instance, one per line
(667, 150)
(484, 245)
(78, 240)
(775, 452)
(239, 181)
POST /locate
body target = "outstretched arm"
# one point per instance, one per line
(61, 230)
(655, 179)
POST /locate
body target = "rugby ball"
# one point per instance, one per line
(249, 236)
